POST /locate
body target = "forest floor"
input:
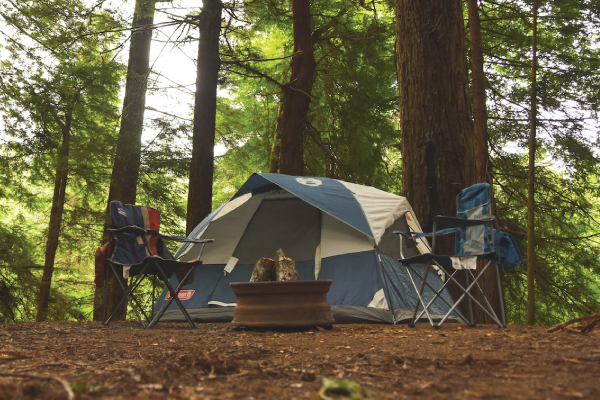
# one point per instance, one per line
(122, 361)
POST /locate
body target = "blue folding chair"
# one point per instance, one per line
(138, 251)
(476, 239)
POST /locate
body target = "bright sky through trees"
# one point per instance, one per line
(172, 62)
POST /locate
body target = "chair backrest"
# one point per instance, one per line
(130, 249)
(474, 203)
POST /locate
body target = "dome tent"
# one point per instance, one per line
(331, 229)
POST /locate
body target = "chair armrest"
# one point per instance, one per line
(184, 239)
(416, 235)
(460, 222)
(128, 229)
(408, 235)
(141, 231)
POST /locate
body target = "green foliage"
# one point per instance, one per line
(351, 130)
(567, 264)
(18, 283)
(164, 174)
(19, 280)
(566, 242)
(59, 80)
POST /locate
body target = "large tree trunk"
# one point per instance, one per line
(438, 157)
(531, 177)
(205, 108)
(482, 158)
(126, 168)
(295, 97)
(479, 95)
(56, 213)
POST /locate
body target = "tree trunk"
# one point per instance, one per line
(482, 158)
(438, 157)
(479, 95)
(126, 168)
(295, 97)
(531, 177)
(56, 213)
(199, 203)
(276, 149)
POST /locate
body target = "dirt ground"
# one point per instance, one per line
(172, 361)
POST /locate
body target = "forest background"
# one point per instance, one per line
(64, 82)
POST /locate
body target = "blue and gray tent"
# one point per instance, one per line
(331, 229)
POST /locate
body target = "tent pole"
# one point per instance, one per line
(386, 285)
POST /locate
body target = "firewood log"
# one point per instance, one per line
(285, 268)
(262, 270)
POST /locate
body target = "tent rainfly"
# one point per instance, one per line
(332, 230)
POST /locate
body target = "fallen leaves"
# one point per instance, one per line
(213, 362)
(123, 362)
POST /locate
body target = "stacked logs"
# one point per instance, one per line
(280, 269)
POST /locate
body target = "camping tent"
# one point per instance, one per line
(331, 229)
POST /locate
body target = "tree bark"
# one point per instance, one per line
(276, 149)
(438, 157)
(531, 177)
(126, 168)
(479, 95)
(205, 108)
(296, 94)
(482, 158)
(56, 213)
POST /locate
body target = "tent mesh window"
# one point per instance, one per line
(291, 224)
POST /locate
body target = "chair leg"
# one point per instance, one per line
(128, 296)
(420, 301)
(466, 292)
(119, 279)
(130, 293)
(471, 323)
(438, 294)
(153, 296)
(105, 294)
(500, 296)
(490, 310)
(174, 297)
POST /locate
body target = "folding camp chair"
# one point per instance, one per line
(138, 251)
(476, 239)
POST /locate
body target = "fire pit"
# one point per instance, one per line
(282, 305)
